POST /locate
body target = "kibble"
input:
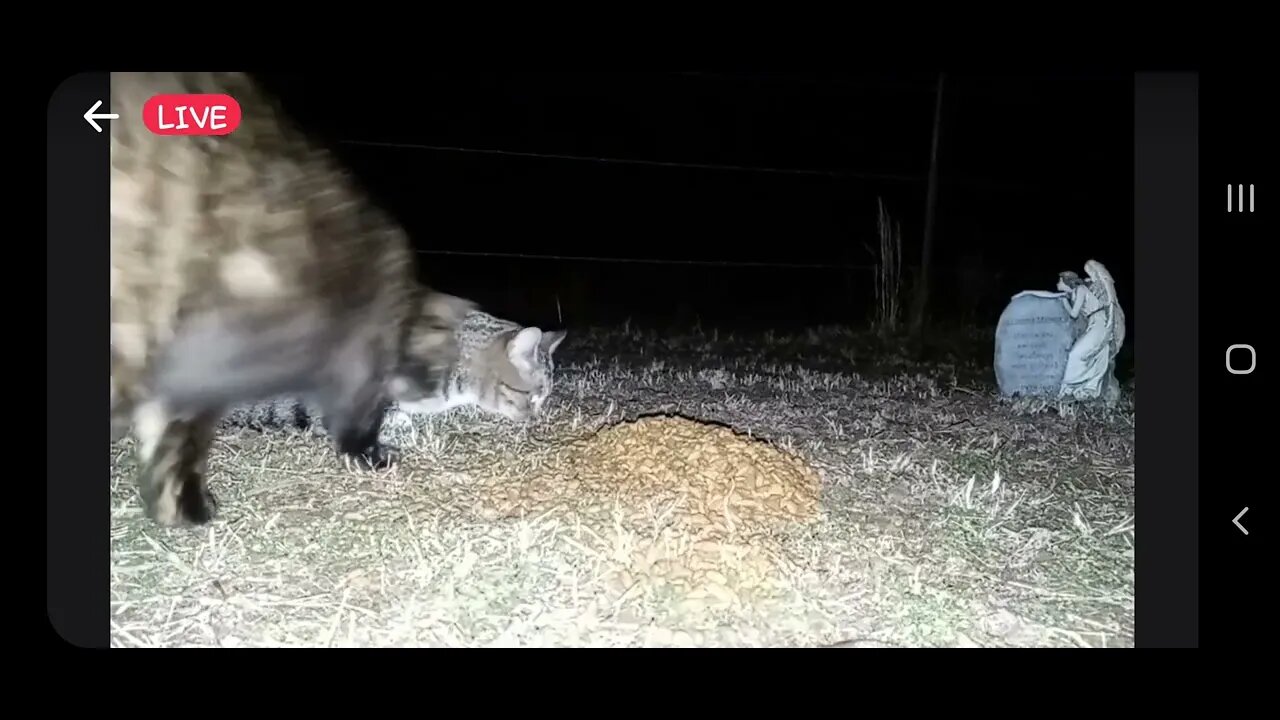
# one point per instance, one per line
(716, 497)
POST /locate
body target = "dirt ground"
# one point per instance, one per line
(705, 490)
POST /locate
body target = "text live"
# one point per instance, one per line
(191, 114)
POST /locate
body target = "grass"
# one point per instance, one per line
(940, 515)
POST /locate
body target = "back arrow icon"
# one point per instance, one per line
(1236, 521)
(91, 117)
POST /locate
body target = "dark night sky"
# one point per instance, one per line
(1036, 177)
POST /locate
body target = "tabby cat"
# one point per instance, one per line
(247, 266)
(500, 366)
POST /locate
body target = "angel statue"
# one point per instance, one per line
(1090, 369)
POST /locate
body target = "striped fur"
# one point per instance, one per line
(243, 267)
(498, 366)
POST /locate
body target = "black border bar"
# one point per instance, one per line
(1238, 297)
(78, 490)
(1166, 230)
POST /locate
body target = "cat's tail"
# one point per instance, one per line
(446, 311)
(433, 340)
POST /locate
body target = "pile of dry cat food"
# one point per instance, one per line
(684, 510)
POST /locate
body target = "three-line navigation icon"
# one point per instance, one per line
(1236, 193)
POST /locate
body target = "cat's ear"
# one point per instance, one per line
(522, 349)
(551, 340)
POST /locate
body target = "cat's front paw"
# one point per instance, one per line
(376, 457)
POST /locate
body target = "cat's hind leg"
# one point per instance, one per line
(353, 405)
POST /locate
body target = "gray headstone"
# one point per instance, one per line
(1033, 338)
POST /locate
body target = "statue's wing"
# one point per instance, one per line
(1097, 272)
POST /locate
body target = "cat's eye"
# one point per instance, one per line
(515, 389)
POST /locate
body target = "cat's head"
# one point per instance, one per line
(522, 370)
(430, 348)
